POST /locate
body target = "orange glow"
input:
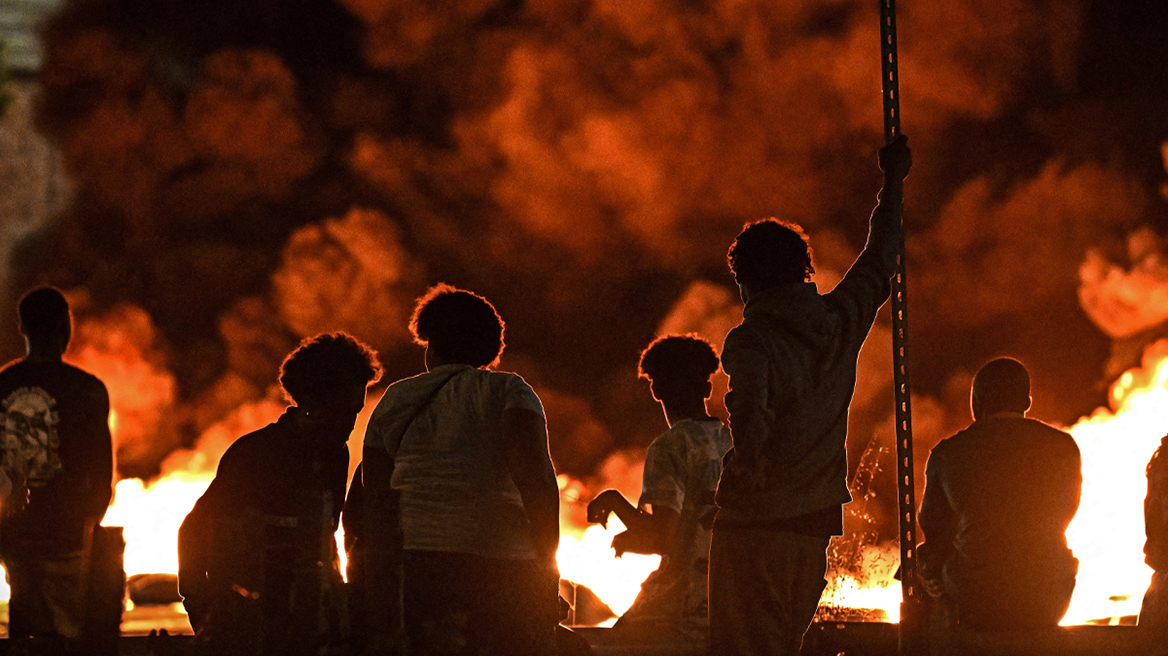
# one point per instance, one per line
(1107, 534)
(151, 514)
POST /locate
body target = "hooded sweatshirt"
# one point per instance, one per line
(792, 368)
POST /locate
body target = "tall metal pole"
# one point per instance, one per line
(911, 610)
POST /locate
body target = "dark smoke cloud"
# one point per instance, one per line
(249, 173)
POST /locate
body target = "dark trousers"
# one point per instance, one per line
(1019, 602)
(48, 595)
(764, 589)
(458, 604)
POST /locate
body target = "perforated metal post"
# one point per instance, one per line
(911, 619)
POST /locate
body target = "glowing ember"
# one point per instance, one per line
(872, 589)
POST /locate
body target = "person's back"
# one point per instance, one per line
(58, 461)
(809, 344)
(792, 368)
(1013, 483)
(999, 498)
(460, 506)
(450, 468)
(55, 431)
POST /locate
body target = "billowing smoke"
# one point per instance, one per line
(250, 173)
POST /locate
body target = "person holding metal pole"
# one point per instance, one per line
(792, 368)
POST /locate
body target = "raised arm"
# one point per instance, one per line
(885, 226)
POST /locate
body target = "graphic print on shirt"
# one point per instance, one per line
(29, 440)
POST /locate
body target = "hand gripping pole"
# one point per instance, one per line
(912, 609)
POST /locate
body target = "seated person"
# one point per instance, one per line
(1154, 611)
(999, 497)
(676, 508)
(258, 565)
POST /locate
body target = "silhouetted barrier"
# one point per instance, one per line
(823, 639)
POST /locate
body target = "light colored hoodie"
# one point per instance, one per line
(792, 368)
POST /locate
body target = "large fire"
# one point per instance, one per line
(1107, 534)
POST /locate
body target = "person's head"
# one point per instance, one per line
(45, 319)
(326, 377)
(770, 252)
(1002, 385)
(678, 368)
(457, 327)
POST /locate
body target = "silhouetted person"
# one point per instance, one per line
(792, 368)
(258, 566)
(676, 508)
(1154, 611)
(999, 497)
(57, 469)
(461, 505)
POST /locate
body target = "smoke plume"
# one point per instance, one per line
(250, 173)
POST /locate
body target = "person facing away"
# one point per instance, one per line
(792, 368)
(1154, 610)
(56, 469)
(461, 506)
(998, 499)
(676, 508)
(258, 566)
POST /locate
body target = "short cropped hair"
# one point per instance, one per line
(770, 252)
(678, 360)
(44, 312)
(1002, 385)
(326, 362)
(459, 326)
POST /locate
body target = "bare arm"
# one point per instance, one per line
(526, 454)
(648, 532)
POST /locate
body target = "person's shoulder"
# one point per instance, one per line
(10, 374)
(252, 445)
(90, 384)
(675, 437)
(11, 367)
(743, 339)
(511, 382)
(955, 442)
(1056, 436)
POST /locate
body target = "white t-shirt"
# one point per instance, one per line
(456, 492)
(681, 472)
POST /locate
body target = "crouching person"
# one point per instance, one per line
(676, 509)
(258, 566)
(999, 497)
